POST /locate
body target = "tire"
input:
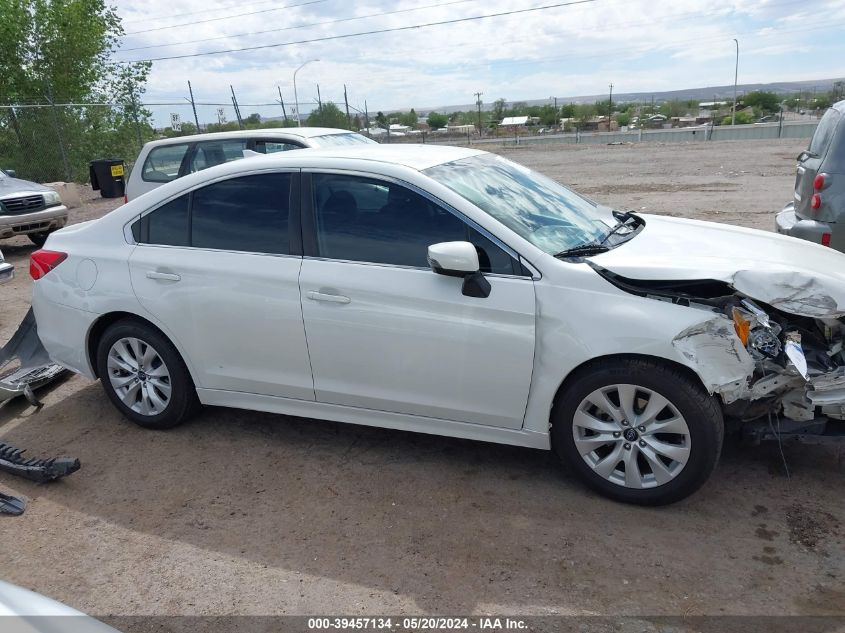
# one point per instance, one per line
(141, 393)
(39, 239)
(608, 448)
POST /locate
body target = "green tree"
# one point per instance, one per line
(499, 106)
(409, 118)
(437, 120)
(742, 118)
(767, 102)
(381, 120)
(59, 51)
(328, 116)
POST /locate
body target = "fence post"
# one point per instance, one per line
(65, 163)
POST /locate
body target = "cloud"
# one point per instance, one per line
(638, 45)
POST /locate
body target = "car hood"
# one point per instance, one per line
(793, 275)
(11, 186)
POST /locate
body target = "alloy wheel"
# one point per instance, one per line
(139, 376)
(631, 436)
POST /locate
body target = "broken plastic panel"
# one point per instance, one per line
(24, 363)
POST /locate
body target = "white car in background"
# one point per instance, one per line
(448, 291)
(168, 159)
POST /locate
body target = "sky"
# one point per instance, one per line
(562, 51)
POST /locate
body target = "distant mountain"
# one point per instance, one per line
(708, 93)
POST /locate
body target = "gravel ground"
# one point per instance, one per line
(250, 513)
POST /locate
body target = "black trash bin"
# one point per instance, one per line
(107, 175)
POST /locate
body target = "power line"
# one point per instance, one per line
(238, 5)
(300, 26)
(363, 33)
(226, 17)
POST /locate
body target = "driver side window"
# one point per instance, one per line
(367, 220)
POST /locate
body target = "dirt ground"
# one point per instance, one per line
(250, 513)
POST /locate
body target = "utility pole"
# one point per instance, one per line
(478, 103)
(319, 100)
(135, 117)
(736, 75)
(366, 117)
(610, 108)
(194, 107)
(237, 109)
(346, 102)
(282, 101)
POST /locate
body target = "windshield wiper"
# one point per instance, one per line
(584, 249)
(623, 218)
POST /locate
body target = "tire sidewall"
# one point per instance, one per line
(183, 392)
(699, 409)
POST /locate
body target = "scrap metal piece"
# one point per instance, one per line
(34, 368)
(12, 505)
(39, 470)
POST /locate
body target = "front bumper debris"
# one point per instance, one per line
(11, 505)
(38, 470)
(33, 368)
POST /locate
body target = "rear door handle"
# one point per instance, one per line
(322, 296)
(154, 274)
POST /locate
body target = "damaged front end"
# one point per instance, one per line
(768, 345)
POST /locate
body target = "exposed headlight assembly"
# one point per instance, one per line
(52, 199)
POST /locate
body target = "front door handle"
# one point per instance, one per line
(154, 274)
(322, 296)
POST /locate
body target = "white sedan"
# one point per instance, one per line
(448, 291)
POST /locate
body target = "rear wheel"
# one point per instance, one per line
(144, 376)
(638, 431)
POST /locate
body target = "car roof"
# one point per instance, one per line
(418, 157)
(294, 132)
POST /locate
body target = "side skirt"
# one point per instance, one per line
(370, 417)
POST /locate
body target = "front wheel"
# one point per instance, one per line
(638, 431)
(144, 376)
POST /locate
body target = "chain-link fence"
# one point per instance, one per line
(48, 143)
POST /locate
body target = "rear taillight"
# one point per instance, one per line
(818, 184)
(825, 239)
(42, 262)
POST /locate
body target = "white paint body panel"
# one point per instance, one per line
(396, 347)
(409, 342)
(238, 314)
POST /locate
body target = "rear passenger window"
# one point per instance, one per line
(167, 225)
(271, 147)
(210, 153)
(243, 214)
(162, 163)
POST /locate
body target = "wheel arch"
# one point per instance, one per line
(104, 321)
(587, 365)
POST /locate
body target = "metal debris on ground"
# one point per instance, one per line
(11, 505)
(34, 368)
(39, 470)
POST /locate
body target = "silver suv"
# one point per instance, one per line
(817, 212)
(27, 208)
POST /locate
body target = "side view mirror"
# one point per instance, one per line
(11, 173)
(459, 259)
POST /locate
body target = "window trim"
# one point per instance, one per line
(294, 214)
(310, 247)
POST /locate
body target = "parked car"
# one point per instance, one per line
(27, 208)
(168, 159)
(24, 611)
(817, 210)
(7, 271)
(449, 291)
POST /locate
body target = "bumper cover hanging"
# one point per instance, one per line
(34, 368)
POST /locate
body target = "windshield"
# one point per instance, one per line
(542, 211)
(335, 140)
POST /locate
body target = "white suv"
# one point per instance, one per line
(168, 159)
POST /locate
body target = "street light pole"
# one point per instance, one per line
(295, 97)
(736, 74)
